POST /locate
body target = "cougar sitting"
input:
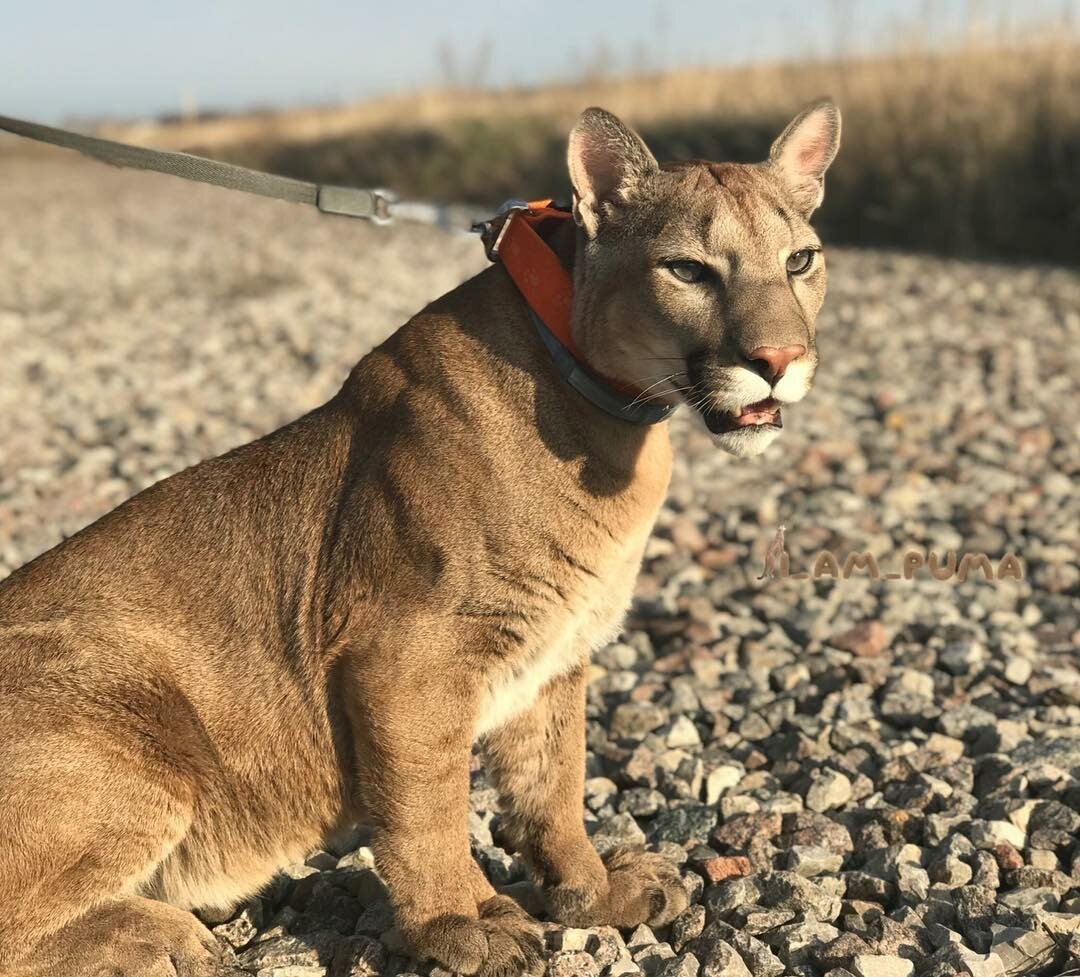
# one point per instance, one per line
(313, 630)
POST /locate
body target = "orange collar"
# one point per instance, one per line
(548, 291)
(536, 270)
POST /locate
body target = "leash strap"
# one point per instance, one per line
(534, 267)
(374, 205)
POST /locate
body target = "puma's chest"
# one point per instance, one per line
(589, 619)
(555, 637)
(567, 597)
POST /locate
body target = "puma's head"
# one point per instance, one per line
(699, 280)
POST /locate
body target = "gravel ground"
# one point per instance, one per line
(861, 777)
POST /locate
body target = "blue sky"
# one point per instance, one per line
(136, 57)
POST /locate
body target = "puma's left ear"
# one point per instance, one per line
(607, 161)
(804, 150)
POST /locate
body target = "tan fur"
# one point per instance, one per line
(313, 630)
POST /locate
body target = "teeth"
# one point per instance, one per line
(763, 413)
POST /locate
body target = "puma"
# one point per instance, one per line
(313, 630)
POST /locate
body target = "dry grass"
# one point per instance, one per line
(974, 150)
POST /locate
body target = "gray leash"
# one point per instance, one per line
(377, 205)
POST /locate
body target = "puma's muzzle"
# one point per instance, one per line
(740, 406)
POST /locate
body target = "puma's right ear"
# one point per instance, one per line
(606, 160)
(804, 150)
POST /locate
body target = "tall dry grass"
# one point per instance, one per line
(973, 150)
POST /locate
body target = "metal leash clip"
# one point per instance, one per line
(375, 205)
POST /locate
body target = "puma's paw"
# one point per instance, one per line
(132, 938)
(504, 942)
(642, 887)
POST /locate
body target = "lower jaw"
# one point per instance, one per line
(744, 442)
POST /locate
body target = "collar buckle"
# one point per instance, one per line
(494, 228)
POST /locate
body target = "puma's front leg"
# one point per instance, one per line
(537, 761)
(415, 730)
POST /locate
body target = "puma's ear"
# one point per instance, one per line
(804, 150)
(606, 160)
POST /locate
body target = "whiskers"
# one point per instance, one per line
(702, 400)
(646, 396)
(659, 385)
(669, 384)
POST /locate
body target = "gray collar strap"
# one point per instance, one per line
(593, 389)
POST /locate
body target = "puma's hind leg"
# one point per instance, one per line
(90, 808)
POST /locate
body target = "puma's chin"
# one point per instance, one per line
(748, 441)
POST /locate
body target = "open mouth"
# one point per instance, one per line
(763, 413)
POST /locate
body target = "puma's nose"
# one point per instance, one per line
(775, 359)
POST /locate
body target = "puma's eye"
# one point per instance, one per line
(800, 262)
(687, 271)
